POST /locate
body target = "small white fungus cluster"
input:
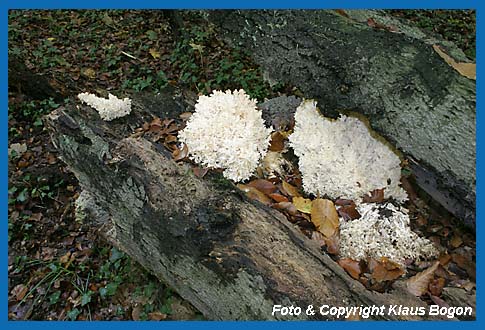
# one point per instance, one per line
(383, 231)
(110, 108)
(227, 131)
(340, 158)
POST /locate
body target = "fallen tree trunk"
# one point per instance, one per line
(231, 257)
(368, 62)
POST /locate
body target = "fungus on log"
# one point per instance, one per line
(231, 257)
(368, 62)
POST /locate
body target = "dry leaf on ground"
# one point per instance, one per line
(351, 266)
(288, 207)
(385, 270)
(303, 204)
(465, 69)
(278, 197)
(324, 216)
(254, 193)
(376, 196)
(277, 141)
(289, 190)
(418, 284)
(265, 186)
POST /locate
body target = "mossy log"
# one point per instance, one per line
(231, 257)
(376, 65)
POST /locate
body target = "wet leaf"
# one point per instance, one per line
(375, 196)
(254, 193)
(418, 284)
(289, 190)
(351, 266)
(277, 141)
(436, 286)
(303, 204)
(265, 186)
(324, 216)
(465, 69)
(385, 270)
(278, 198)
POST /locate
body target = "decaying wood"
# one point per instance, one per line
(368, 62)
(231, 257)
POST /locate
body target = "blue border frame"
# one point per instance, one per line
(247, 4)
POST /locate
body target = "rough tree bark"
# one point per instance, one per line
(383, 69)
(231, 257)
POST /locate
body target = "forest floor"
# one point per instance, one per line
(60, 268)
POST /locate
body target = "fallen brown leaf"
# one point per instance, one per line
(157, 316)
(180, 154)
(277, 141)
(254, 193)
(376, 196)
(319, 238)
(135, 313)
(19, 291)
(418, 284)
(332, 244)
(288, 207)
(185, 115)
(465, 69)
(289, 190)
(349, 212)
(200, 172)
(344, 202)
(324, 216)
(385, 270)
(456, 241)
(278, 197)
(303, 204)
(351, 266)
(436, 286)
(265, 186)
(155, 125)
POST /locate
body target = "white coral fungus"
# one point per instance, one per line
(110, 108)
(383, 231)
(227, 131)
(340, 158)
